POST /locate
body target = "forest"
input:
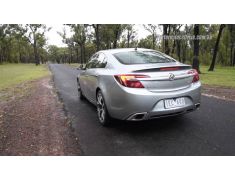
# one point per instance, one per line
(195, 44)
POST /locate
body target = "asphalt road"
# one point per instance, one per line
(207, 131)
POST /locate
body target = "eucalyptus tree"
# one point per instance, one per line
(97, 30)
(3, 34)
(79, 38)
(131, 34)
(195, 64)
(166, 32)
(212, 66)
(117, 30)
(153, 30)
(35, 33)
(18, 31)
(231, 28)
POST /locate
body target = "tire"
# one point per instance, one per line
(80, 94)
(103, 115)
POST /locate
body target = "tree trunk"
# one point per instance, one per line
(115, 43)
(0, 55)
(173, 47)
(36, 58)
(195, 64)
(184, 54)
(84, 53)
(116, 35)
(128, 39)
(178, 43)
(19, 49)
(77, 54)
(212, 66)
(97, 36)
(153, 41)
(165, 33)
(233, 57)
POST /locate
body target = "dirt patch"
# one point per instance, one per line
(35, 124)
(219, 92)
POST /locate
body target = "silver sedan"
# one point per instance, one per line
(138, 84)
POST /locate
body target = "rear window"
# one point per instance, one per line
(142, 57)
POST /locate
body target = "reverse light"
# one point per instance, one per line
(130, 80)
(195, 75)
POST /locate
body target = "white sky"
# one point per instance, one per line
(55, 39)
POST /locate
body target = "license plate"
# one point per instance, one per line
(173, 103)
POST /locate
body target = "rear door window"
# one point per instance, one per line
(92, 62)
(101, 61)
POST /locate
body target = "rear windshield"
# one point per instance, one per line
(142, 57)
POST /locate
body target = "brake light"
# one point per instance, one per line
(169, 69)
(130, 80)
(195, 75)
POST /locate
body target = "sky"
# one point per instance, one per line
(55, 39)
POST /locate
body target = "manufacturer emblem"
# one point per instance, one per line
(171, 76)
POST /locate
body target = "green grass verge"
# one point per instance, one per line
(221, 76)
(75, 65)
(13, 74)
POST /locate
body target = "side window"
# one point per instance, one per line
(92, 62)
(101, 61)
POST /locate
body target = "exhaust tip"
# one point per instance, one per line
(197, 105)
(137, 116)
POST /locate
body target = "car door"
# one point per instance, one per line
(90, 77)
(84, 76)
(95, 74)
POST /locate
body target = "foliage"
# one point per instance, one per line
(17, 42)
(23, 43)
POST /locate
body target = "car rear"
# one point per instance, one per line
(150, 90)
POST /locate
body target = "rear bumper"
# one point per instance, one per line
(124, 103)
(154, 114)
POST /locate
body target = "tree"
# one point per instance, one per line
(117, 31)
(3, 34)
(166, 32)
(36, 31)
(79, 37)
(145, 42)
(231, 28)
(130, 34)
(70, 44)
(97, 35)
(212, 66)
(195, 64)
(153, 30)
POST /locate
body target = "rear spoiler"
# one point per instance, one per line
(167, 68)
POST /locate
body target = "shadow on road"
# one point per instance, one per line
(139, 127)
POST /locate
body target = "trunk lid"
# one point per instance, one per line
(170, 77)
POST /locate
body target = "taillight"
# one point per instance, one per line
(130, 80)
(195, 75)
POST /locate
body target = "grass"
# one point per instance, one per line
(221, 76)
(75, 65)
(13, 74)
